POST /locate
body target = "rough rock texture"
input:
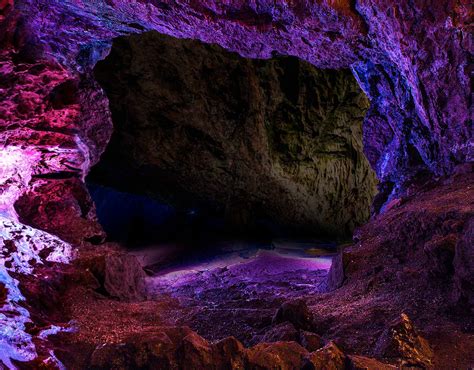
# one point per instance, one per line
(411, 58)
(328, 357)
(419, 117)
(277, 140)
(464, 266)
(389, 272)
(119, 275)
(240, 299)
(419, 120)
(402, 342)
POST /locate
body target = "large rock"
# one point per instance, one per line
(277, 140)
(329, 357)
(295, 312)
(119, 275)
(367, 363)
(278, 355)
(401, 342)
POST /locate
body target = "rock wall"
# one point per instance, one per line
(410, 59)
(277, 139)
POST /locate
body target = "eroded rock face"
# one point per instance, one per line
(276, 139)
(411, 58)
(419, 119)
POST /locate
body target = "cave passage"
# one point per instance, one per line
(227, 185)
(208, 145)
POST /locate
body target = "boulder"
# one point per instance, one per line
(278, 355)
(336, 274)
(401, 342)
(119, 274)
(284, 331)
(330, 357)
(310, 341)
(297, 313)
(367, 363)
(150, 351)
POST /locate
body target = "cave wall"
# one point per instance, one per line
(411, 60)
(275, 140)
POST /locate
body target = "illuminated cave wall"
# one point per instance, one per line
(411, 61)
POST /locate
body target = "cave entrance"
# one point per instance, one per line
(208, 145)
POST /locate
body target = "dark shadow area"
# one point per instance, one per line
(208, 145)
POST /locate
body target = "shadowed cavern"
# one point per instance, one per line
(261, 146)
(398, 295)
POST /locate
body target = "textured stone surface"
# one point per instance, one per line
(401, 341)
(417, 122)
(411, 59)
(119, 275)
(387, 273)
(275, 140)
(464, 266)
(329, 357)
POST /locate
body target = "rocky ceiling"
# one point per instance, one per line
(412, 59)
(254, 141)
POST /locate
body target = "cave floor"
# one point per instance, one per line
(397, 266)
(232, 293)
(237, 294)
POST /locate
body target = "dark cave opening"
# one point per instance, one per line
(208, 145)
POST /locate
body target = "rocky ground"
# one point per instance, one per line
(399, 295)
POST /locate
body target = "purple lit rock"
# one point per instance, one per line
(411, 60)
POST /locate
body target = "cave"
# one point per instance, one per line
(208, 145)
(236, 185)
